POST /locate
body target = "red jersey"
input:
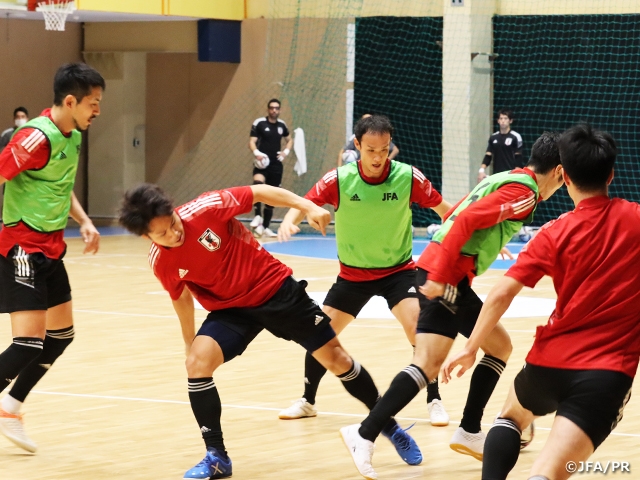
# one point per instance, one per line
(29, 149)
(326, 192)
(219, 262)
(593, 256)
(444, 262)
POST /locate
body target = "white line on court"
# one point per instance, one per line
(251, 407)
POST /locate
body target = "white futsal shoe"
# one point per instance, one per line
(298, 409)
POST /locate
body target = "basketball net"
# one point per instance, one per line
(55, 13)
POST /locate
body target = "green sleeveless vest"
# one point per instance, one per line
(373, 222)
(485, 244)
(42, 198)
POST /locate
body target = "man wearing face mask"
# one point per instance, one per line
(20, 117)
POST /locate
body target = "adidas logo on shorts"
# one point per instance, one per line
(319, 318)
(412, 290)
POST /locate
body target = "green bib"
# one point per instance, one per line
(42, 198)
(485, 244)
(373, 222)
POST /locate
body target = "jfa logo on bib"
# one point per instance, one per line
(210, 240)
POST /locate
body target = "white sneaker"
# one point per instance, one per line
(269, 233)
(437, 414)
(258, 231)
(298, 409)
(361, 450)
(468, 443)
(257, 220)
(11, 426)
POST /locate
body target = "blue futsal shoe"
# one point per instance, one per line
(406, 446)
(212, 466)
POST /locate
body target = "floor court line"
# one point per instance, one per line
(252, 407)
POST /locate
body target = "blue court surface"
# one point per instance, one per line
(316, 246)
(104, 231)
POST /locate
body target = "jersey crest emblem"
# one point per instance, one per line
(210, 240)
(508, 141)
(280, 130)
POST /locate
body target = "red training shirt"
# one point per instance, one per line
(443, 261)
(219, 262)
(326, 192)
(29, 149)
(593, 255)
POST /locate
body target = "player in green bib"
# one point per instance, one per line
(372, 200)
(472, 236)
(38, 167)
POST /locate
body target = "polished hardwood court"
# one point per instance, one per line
(115, 405)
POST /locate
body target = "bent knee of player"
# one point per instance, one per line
(333, 357)
(498, 344)
(202, 362)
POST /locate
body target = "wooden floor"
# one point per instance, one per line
(115, 405)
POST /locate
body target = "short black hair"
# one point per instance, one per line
(77, 79)
(507, 112)
(545, 155)
(21, 109)
(274, 100)
(587, 156)
(141, 204)
(375, 124)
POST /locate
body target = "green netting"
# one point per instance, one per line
(399, 73)
(555, 71)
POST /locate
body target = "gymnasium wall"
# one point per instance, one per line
(29, 57)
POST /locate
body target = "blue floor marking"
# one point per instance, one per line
(316, 246)
(104, 231)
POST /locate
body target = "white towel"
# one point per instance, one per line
(301, 152)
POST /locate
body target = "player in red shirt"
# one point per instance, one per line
(393, 279)
(39, 165)
(200, 250)
(583, 361)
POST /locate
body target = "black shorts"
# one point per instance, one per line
(272, 174)
(32, 281)
(437, 318)
(592, 399)
(290, 314)
(350, 297)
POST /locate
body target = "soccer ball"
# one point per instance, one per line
(524, 235)
(432, 229)
(261, 163)
(527, 436)
(349, 156)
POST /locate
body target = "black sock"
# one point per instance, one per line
(257, 207)
(433, 392)
(16, 357)
(55, 342)
(313, 373)
(205, 403)
(359, 383)
(501, 450)
(404, 387)
(268, 213)
(483, 381)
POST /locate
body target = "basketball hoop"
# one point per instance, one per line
(55, 13)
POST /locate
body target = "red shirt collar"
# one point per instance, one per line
(376, 181)
(47, 113)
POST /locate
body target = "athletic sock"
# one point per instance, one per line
(483, 382)
(10, 404)
(501, 449)
(257, 207)
(268, 213)
(55, 343)
(205, 403)
(313, 373)
(16, 357)
(433, 391)
(404, 387)
(359, 384)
